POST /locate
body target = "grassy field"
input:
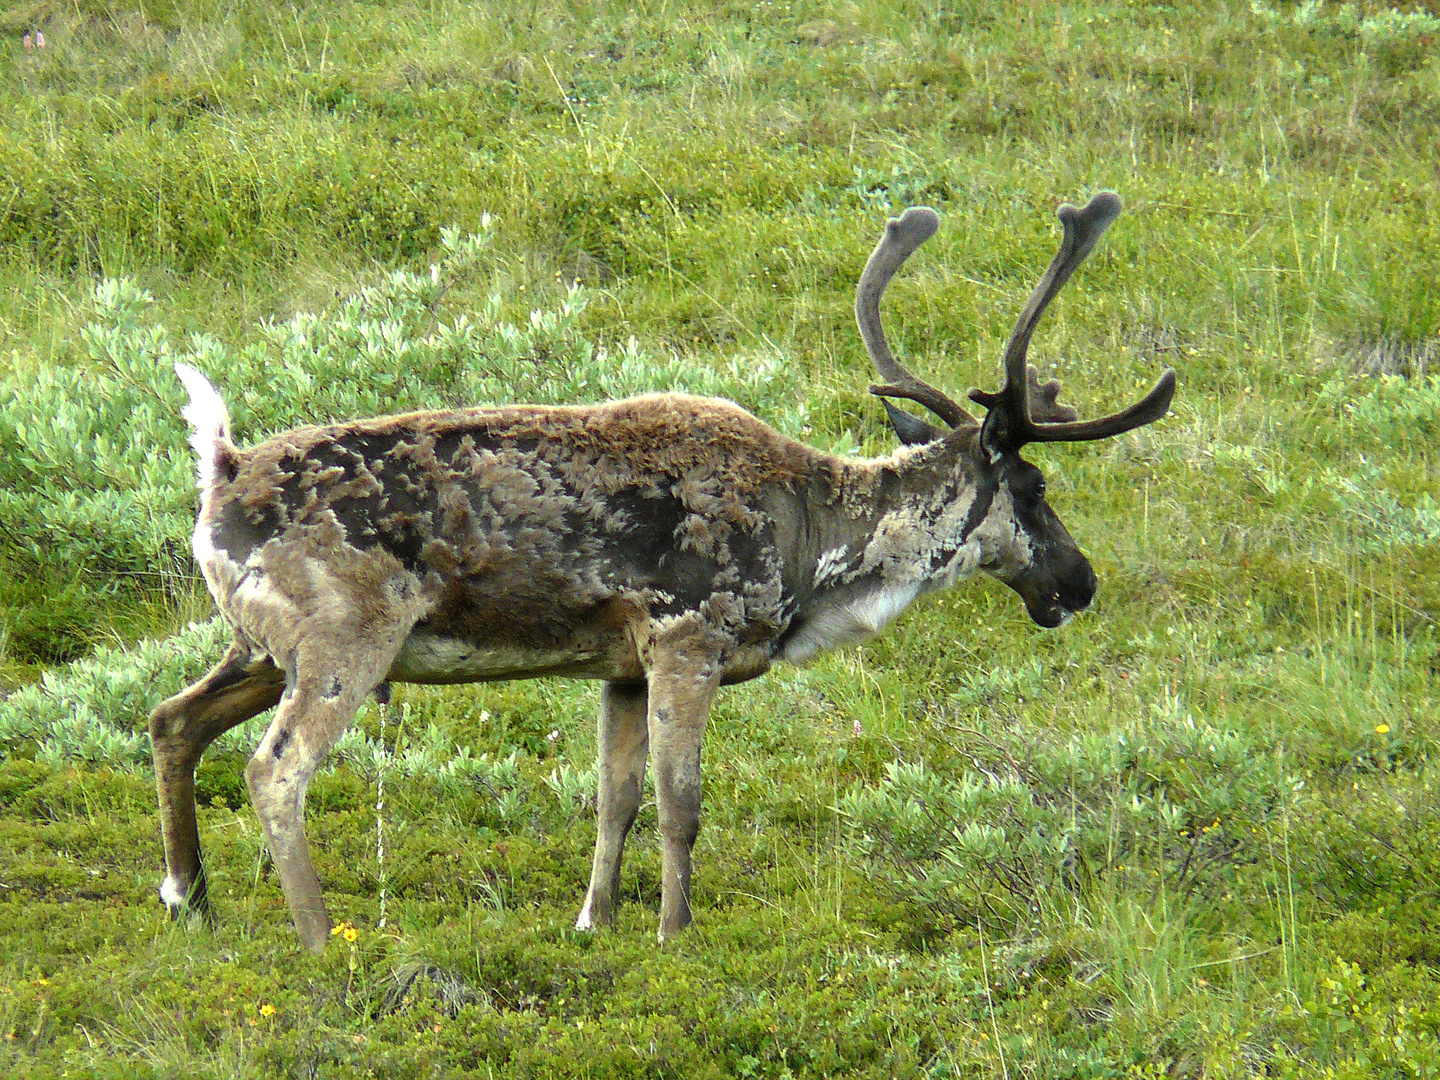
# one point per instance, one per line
(1192, 833)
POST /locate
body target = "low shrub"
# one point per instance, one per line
(96, 483)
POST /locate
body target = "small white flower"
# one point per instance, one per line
(857, 728)
(553, 735)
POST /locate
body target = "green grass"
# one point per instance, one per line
(1215, 789)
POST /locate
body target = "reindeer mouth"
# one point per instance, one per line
(1051, 598)
(1052, 607)
(1047, 611)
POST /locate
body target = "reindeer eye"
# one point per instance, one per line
(1028, 488)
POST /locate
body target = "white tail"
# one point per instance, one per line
(207, 414)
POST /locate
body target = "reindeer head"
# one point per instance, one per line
(1039, 560)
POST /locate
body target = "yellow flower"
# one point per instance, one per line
(267, 1009)
(339, 928)
(351, 933)
(1382, 729)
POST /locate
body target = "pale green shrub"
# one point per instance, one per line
(575, 788)
(1388, 411)
(430, 755)
(1378, 520)
(1167, 801)
(95, 710)
(1344, 19)
(96, 475)
(1402, 415)
(1398, 41)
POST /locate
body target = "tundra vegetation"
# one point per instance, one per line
(1190, 833)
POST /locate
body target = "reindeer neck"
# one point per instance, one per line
(922, 498)
(888, 531)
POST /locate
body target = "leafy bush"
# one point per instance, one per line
(95, 710)
(96, 483)
(1388, 411)
(1365, 1031)
(1404, 416)
(1167, 802)
(432, 756)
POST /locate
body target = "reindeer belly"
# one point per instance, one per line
(433, 658)
(480, 635)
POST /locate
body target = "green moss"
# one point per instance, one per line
(1213, 860)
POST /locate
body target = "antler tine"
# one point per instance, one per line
(1083, 229)
(1150, 408)
(1043, 399)
(902, 236)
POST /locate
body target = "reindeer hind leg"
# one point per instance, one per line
(682, 685)
(242, 685)
(329, 681)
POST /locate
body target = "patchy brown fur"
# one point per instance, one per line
(666, 541)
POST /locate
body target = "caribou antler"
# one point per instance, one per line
(1011, 422)
(902, 236)
(1045, 407)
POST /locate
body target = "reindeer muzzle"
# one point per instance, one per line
(1053, 600)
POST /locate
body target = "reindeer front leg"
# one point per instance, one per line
(623, 739)
(682, 686)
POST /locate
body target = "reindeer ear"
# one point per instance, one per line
(912, 430)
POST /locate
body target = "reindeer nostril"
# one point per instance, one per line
(1075, 593)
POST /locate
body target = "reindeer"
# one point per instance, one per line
(667, 545)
